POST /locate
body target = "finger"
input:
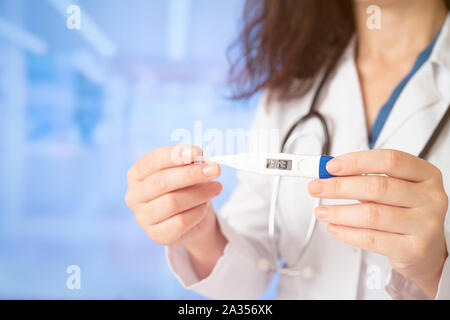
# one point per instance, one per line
(171, 179)
(372, 188)
(170, 230)
(168, 205)
(370, 215)
(163, 158)
(388, 244)
(393, 163)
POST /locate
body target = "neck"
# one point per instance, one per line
(407, 27)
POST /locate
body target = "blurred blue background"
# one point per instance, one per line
(78, 107)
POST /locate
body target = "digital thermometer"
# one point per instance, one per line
(277, 164)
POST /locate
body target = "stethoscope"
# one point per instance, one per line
(289, 138)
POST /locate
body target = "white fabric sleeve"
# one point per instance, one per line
(401, 288)
(235, 275)
(243, 221)
(444, 284)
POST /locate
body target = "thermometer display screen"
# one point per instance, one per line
(279, 164)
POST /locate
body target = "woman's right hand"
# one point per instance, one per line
(170, 196)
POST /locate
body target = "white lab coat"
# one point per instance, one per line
(334, 268)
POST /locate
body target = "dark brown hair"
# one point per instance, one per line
(284, 44)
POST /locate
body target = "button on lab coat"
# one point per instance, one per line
(330, 268)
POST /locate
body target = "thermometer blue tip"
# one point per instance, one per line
(323, 173)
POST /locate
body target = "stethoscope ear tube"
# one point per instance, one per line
(275, 265)
(310, 115)
(288, 139)
(323, 173)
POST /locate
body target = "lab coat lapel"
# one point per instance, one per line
(413, 135)
(422, 103)
(415, 115)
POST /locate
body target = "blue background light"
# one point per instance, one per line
(78, 107)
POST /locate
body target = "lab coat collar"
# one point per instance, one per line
(422, 93)
(441, 54)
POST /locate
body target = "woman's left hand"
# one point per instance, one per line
(401, 214)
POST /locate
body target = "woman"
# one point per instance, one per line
(381, 236)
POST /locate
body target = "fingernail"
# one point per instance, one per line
(316, 187)
(332, 229)
(334, 166)
(186, 153)
(321, 212)
(211, 170)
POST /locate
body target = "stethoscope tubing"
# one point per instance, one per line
(272, 232)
